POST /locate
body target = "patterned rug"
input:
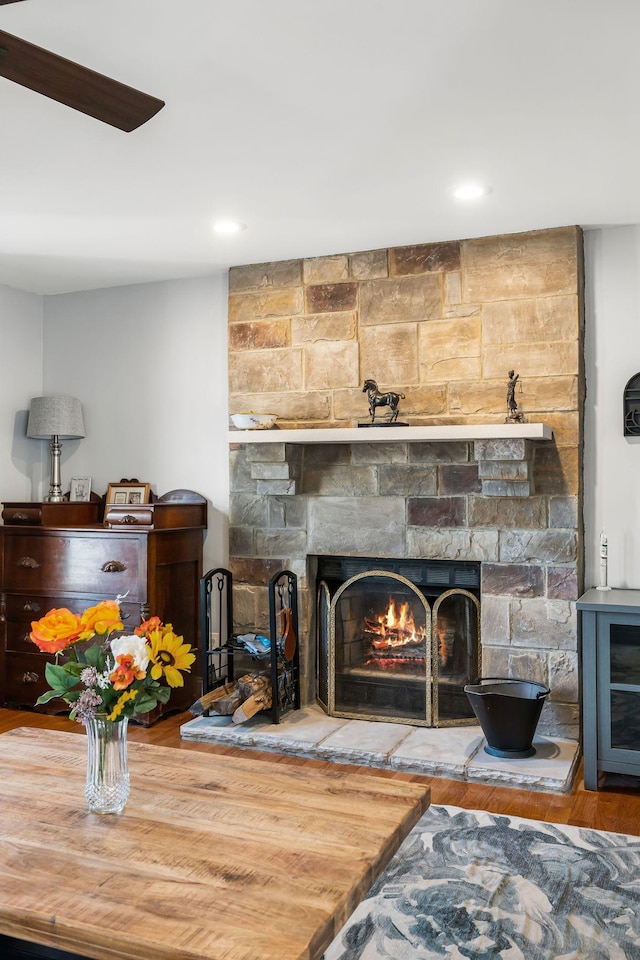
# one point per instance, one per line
(470, 884)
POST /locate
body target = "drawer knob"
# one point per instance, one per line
(30, 606)
(128, 518)
(113, 566)
(18, 516)
(30, 677)
(28, 562)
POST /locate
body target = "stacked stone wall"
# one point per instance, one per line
(442, 323)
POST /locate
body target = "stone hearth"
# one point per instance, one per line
(456, 753)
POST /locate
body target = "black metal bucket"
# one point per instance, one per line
(508, 712)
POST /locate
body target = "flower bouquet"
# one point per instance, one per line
(116, 678)
(108, 682)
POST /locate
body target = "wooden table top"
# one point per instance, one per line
(214, 857)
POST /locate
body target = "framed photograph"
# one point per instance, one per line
(126, 493)
(80, 489)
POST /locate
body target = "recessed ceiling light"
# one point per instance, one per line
(470, 191)
(228, 226)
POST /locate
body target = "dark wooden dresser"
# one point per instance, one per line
(151, 553)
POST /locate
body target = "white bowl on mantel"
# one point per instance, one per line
(253, 421)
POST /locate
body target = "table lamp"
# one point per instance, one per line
(55, 419)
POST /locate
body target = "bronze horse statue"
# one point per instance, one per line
(377, 399)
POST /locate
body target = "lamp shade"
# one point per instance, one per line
(55, 416)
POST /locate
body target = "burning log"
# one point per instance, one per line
(396, 623)
(392, 638)
(397, 665)
(377, 629)
(414, 652)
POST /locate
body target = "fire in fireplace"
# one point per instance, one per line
(397, 640)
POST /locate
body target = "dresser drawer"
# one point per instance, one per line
(30, 514)
(22, 611)
(25, 681)
(65, 514)
(91, 564)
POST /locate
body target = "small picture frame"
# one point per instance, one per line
(80, 490)
(128, 493)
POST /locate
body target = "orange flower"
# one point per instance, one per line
(56, 631)
(103, 618)
(125, 672)
(145, 628)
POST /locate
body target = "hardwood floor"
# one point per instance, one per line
(615, 807)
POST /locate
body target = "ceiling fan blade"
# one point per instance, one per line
(75, 86)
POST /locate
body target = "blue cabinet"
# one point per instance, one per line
(610, 646)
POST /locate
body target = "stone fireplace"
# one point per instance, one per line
(443, 323)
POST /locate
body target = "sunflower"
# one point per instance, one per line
(169, 655)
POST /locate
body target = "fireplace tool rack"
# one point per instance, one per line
(282, 660)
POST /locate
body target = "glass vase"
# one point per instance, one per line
(107, 784)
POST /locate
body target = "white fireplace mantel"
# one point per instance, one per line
(456, 432)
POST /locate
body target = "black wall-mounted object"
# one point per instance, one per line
(632, 407)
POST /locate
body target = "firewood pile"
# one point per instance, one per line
(239, 700)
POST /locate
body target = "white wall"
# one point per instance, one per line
(149, 364)
(612, 356)
(21, 379)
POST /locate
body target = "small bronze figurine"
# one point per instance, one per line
(377, 399)
(512, 406)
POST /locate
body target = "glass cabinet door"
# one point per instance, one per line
(619, 686)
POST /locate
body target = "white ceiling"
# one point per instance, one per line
(325, 126)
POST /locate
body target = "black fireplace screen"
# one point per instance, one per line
(390, 649)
